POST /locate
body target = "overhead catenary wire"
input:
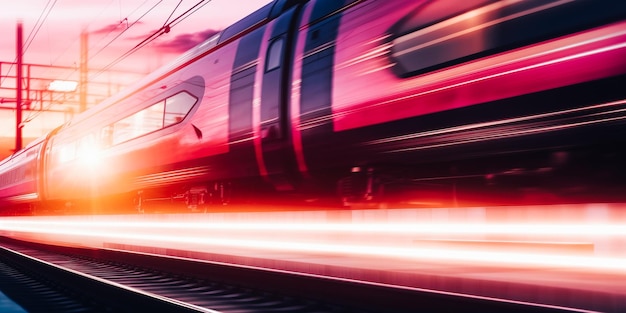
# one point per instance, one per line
(77, 39)
(37, 27)
(33, 33)
(122, 20)
(34, 115)
(173, 11)
(163, 30)
(31, 38)
(125, 29)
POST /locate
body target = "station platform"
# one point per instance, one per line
(8, 306)
(565, 256)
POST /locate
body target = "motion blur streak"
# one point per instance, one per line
(391, 241)
(467, 16)
(412, 228)
(465, 128)
(598, 51)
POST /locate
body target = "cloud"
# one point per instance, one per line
(122, 25)
(184, 42)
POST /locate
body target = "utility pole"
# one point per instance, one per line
(82, 84)
(18, 89)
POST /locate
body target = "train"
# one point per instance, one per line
(441, 102)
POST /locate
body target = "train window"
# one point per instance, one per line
(274, 55)
(67, 152)
(106, 136)
(28, 171)
(177, 107)
(157, 116)
(433, 36)
(122, 130)
(138, 124)
(438, 32)
(150, 119)
(324, 8)
(87, 147)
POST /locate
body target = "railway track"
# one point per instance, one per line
(44, 278)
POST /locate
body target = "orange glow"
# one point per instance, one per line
(90, 157)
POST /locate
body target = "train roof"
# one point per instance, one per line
(33, 143)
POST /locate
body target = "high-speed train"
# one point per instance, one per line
(358, 100)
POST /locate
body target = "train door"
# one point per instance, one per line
(44, 165)
(274, 150)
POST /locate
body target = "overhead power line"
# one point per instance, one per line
(33, 115)
(125, 29)
(77, 39)
(34, 32)
(173, 11)
(163, 30)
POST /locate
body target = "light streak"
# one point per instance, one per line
(543, 229)
(584, 54)
(572, 49)
(24, 197)
(410, 253)
(493, 124)
(374, 240)
(468, 16)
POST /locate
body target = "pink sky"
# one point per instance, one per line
(56, 41)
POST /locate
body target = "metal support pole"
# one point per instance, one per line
(18, 89)
(27, 101)
(82, 84)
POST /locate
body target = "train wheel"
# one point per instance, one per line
(221, 193)
(361, 189)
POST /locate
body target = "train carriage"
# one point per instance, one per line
(479, 101)
(20, 184)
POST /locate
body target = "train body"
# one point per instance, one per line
(360, 98)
